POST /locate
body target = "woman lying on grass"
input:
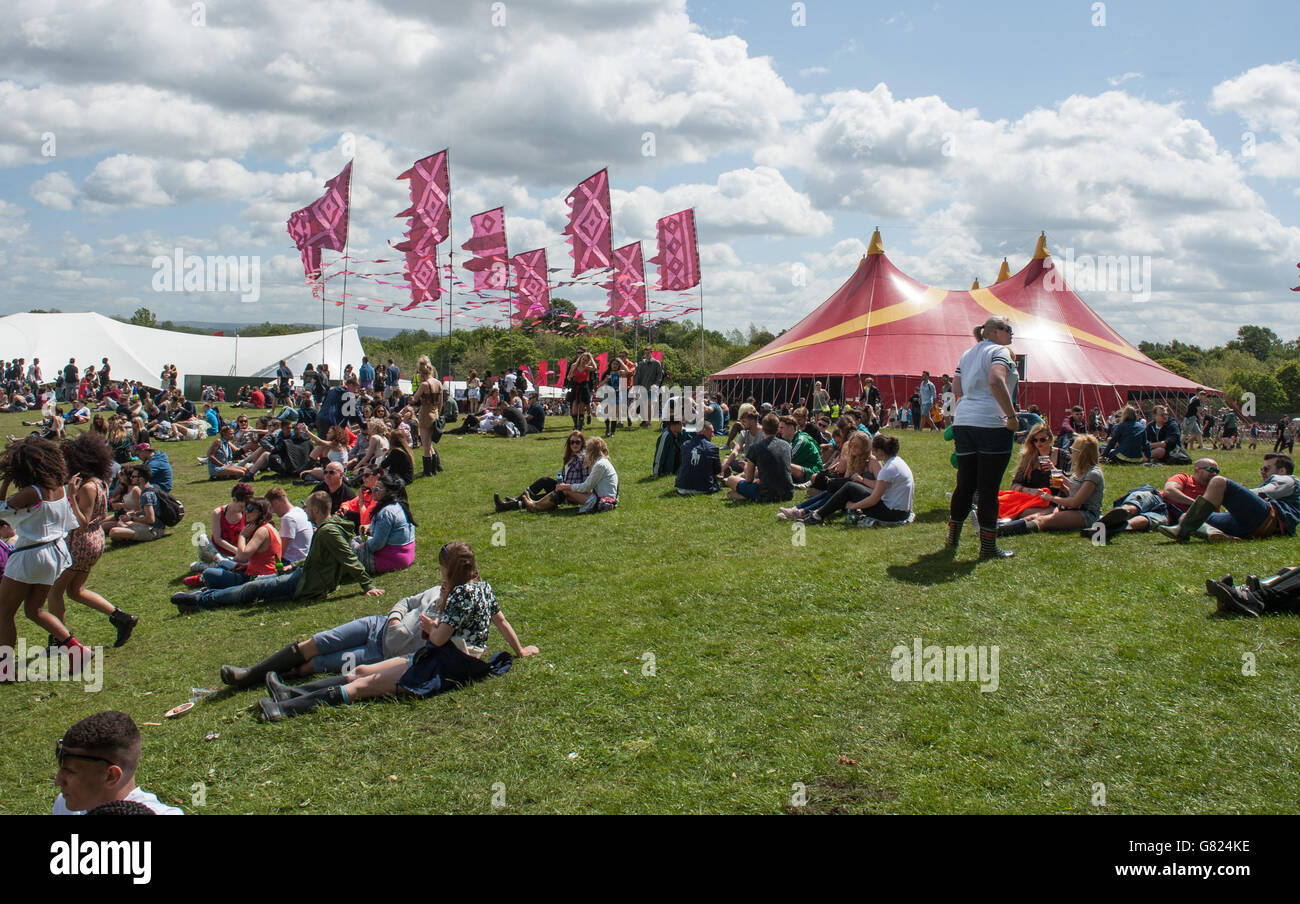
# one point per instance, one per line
(456, 641)
(1081, 508)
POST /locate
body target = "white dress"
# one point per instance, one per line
(40, 552)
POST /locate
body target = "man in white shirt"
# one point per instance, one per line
(97, 762)
(295, 527)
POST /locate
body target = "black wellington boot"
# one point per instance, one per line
(125, 624)
(274, 712)
(280, 691)
(280, 661)
(428, 467)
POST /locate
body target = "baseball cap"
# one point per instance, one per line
(144, 447)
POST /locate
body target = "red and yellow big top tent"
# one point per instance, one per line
(884, 323)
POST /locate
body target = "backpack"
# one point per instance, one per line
(170, 509)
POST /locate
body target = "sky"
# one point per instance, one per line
(1164, 133)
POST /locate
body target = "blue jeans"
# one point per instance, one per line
(362, 639)
(1244, 511)
(218, 578)
(1145, 500)
(271, 588)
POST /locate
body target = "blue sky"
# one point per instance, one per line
(960, 129)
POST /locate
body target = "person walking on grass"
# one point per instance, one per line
(41, 516)
(89, 459)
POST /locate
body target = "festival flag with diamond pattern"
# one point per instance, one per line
(627, 288)
(589, 228)
(488, 245)
(532, 293)
(679, 256)
(323, 223)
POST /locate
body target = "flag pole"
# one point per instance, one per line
(451, 271)
(700, 285)
(347, 263)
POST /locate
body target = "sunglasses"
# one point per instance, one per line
(1043, 439)
(60, 754)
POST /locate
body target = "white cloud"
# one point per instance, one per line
(813, 70)
(55, 191)
(1267, 98)
(1116, 80)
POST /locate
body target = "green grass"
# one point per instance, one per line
(771, 665)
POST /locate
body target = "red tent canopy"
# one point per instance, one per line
(883, 322)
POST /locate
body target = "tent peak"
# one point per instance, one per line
(1040, 250)
(1004, 272)
(975, 285)
(877, 246)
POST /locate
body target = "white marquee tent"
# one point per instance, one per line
(139, 353)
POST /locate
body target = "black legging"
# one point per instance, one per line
(982, 473)
(850, 491)
(542, 486)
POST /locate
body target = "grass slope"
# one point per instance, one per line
(770, 660)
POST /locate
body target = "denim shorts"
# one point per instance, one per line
(748, 489)
(983, 440)
(363, 638)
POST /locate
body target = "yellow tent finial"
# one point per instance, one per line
(876, 246)
(1040, 250)
(1004, 272)
(975, 285)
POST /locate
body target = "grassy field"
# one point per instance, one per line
(695, 657)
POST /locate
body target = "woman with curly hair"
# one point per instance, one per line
(454, 653)
(41, 516)
(573, 471)
(89, 459)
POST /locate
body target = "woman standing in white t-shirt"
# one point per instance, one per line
(984, 429)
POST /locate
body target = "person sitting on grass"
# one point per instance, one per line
(1080, 509)
(1163, 434)
(573, 471)
(333, 449)
(701, 463)
(1144, 508)
(1128, 440)
(885, 495)
(453, 655)
(295, 527)
(363, 641)
(805, 459)
(598, 493)
(98, 758)
(365, 503)
(219, 545)
(141, 518)
(221, 458)
(333, 485)
(1268, 510)
(159, 465)
(668, 449)
(257, 549)
(852, 463)
(767, 469)
(748, 433)
(1031, 486)
(330, 562)
(391, 543)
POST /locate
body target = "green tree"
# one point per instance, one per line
(1177, 365)
(1288, 377)
(143, 317)
(511, 348)
(1270, 397)
(1257, 341)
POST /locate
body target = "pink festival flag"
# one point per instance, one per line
(627, 288)
(602, 361)
(679, 255)
(488, 245)
(564, 371)
(323, 223)
(532, 295)
(542, 373)
(430, 209)
(590, 224)
(422, 271)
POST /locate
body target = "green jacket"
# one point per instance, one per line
(330, 561)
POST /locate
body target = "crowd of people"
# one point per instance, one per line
(353, 443)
